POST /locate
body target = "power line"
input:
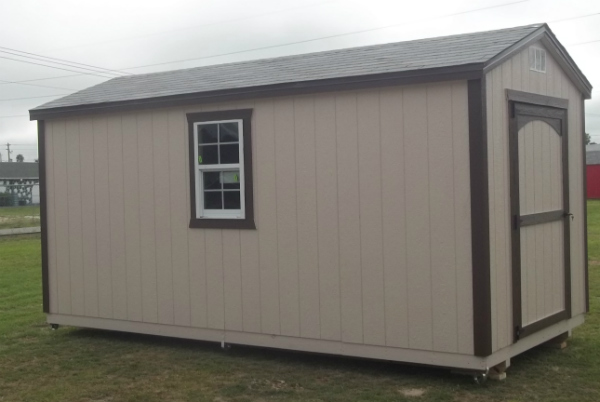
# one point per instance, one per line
(33, 97)
(45, 79)
(61, 62)
(14, 115)
(6, 49)
(35, 85)
(330, 36)
(202, 25)
(583, 43)
(573, 18)
(57, 68)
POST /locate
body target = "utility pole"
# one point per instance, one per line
(8, 152)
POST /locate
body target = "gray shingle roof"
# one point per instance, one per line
(397, 57)
(18, 170)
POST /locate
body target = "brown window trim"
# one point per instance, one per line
(248, 221)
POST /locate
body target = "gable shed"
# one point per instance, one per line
(419, 201)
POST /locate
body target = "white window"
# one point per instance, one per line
(537, 59)
(219, 169)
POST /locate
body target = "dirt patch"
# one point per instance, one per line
(594, 262)
(414, 392)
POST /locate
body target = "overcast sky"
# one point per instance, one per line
(147, 36)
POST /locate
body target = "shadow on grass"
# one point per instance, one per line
(304, 360)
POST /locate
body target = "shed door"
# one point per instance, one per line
(540, 212)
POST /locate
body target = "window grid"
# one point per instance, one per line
(223, 212)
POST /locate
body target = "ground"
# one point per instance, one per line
(38, 364)
(19, 217)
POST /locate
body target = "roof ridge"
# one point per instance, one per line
(332, 51)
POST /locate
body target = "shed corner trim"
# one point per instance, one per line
(43, 215)
(480, 227)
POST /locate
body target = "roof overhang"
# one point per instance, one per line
(558, 52)
(452, 73)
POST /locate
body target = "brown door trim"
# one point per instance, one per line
(521, 113)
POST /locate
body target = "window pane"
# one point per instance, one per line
(208, 134)
(212, 180)
(230, 153)
(232, 200)
(231, 179)
(208, 155)
(212, 200)
(228, 132)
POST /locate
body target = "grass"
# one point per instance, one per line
(37, 364)
(19, 217)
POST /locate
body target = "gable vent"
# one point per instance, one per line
(537, 59)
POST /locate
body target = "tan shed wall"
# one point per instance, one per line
(515, 74)
(362, 208)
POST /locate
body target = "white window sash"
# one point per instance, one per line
(202, 213)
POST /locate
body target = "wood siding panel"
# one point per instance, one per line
(327, 218)
(442, 220)
(88, 217)
(162, 216)
(179, 217)
(266, 203)
(117, 218)
(306, 191)
(232, 280)
(418, 244)
(75, 226)
(61, 209)
(344, 210)
(349, 218)
(287, 232)
(371, 225)
(553, 83)
(102, 210)
(394, 218)
(215, 298)
(131, 212)
(147, 217)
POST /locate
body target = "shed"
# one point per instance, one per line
(419, 202)
(592, 156)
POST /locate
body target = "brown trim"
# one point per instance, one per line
(461, 72)
(516, 122)
(543, 323)
(480, 215)
(585, 222)
(248, 221)
(535, 99)
(542, 217)
(43, 215)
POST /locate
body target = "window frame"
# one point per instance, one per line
(237, 219)
(537, 59)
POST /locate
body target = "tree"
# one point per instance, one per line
(20, 158)
(588, 138)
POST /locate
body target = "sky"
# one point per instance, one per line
(118, 37)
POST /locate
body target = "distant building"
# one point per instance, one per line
(19, 183)
(592, 160)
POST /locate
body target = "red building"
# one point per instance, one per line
(593, 171)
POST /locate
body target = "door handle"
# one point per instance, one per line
(569, 214)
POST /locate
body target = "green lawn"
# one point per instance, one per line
(37, 364)
(19, 217)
